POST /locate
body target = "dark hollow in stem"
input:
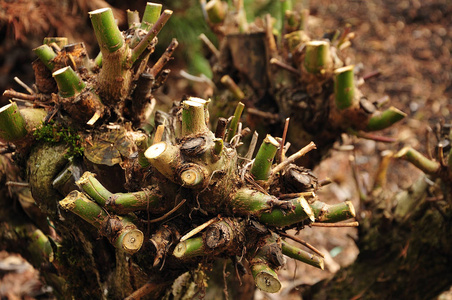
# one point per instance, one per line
(221, 128)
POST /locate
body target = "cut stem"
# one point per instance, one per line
(252, 146)
(301, 255)
(189, 248)
(198, 229)
(121, 231)
(282, 154)
(153, 32)
(304, 243)
(412, 198)
(142, 142)
(107, 33)
(286, 5)
(265, 278)
(59, 41)
(380, 176)
(12, 123)
(46, 55)
(269, 36)
(346, 224)
(133, 18)
(218, 147)
(294, 195)
(344, 87)
(264, 158)
(235, 120)
(151, 15)
(299, 211)
(69, 83)
(241, 16)
(318, 59)
(114, 80)
(216, 11)
(165, 157)
(209, 45)
(193, 117)
(40, 247)
(193, 176)
(88, 210)
(158, 134)
(385, 119)
(221, 128)
(420, 161)
(98, 60)
(269, 210)
(119, 202)
(333, 213)
(130, 238)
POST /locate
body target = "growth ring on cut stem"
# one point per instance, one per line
(265, 278)
(192, 176)
(155, 150)
(165, 158)
(132, 240)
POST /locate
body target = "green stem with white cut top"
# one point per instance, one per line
(385, 119)
(149, 198)
(269, 210)
(333, 213)
(344, 87)
(114, 79)
(46, 55)
(121, 231)
(419, 160)
(264, 158)
(69, 83)
(235, 120)
(190, 248)
(12, 123)
(318, 59)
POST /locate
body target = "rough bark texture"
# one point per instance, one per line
(293, 75)
(401, 256)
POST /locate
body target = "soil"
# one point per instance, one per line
(410, 43)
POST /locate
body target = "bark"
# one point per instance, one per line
(300, 78)
(404, 253)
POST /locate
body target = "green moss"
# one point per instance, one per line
(56, 133)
